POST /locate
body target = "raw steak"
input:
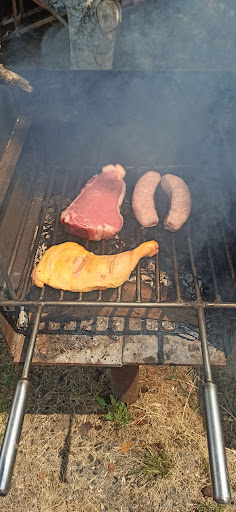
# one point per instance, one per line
(95, 213)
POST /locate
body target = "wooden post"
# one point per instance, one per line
(125, 383)
(15, 14)
(21, 5)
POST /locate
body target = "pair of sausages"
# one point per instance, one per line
(143, 200)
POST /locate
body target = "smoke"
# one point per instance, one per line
(185, 34)
(169, 104)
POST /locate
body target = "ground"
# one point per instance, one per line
(71, 459)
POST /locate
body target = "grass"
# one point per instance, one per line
(156, 463)
(64, 434)
(210, 506)
(9, 375)
(117, 411)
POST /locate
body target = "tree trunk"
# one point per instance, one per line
(92, 31)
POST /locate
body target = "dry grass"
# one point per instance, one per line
(70, 459)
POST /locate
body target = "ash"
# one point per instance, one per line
(48, 229)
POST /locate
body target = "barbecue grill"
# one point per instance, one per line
(174, 306)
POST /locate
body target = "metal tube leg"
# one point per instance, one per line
(16, 417)
(216, 448)
(12, 435)
(125, 383)
(218, 464)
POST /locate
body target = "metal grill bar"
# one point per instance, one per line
(125, 304)
(138, 273)
(201, 317)
(102, 252)
(86, 245)
(35, 240)
(228, 255)
(194, 270)
(22, 227)
(13, 150)
(176, 271)
(203, 338)
(119, 289)
(59, 208)
(7, 278)
(157, 274)
(30, 351)
(213, 273)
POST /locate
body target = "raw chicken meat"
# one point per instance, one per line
(70, 267)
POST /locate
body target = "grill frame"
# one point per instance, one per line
(20, 300)
(221, 490)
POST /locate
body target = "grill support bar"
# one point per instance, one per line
(215, 438)
(16, 416)
(125, 380)
(7, 278)
(204, 344)
(125, 383)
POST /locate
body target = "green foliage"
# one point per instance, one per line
(101, 401)
(9, 380)
(117, 411)
(210, 506)
(156, 463)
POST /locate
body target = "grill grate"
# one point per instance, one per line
(177, 255)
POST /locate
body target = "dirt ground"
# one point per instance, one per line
(71, 459)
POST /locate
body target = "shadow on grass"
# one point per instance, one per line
(55, 389)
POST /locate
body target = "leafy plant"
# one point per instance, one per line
(210, 506)
(156, 463)
(117, 411)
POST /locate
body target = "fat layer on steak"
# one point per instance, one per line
(95, 213)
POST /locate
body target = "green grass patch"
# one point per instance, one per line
(156, 463)
(117, 411)
(210, 506)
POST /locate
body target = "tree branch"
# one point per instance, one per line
(13, 79)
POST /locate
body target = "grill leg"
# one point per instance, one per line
(125, 383)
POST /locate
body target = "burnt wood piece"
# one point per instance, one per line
(12, 78)
(125, 383)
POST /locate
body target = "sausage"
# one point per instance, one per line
(143, 199)
(180, 201)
